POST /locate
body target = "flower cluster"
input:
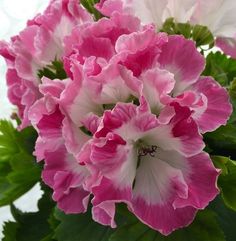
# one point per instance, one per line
(124, 123)
(217, 15)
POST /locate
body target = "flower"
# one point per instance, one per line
(155, 165)
(217, 15)
(126, 125)
(35, 48)
(227, 45)
(124, 122)
(61, 170)
(171, 73)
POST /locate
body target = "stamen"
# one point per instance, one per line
(144, 151)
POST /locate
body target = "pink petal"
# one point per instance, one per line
(66, 177)
(163, 218)
(106, 196)
(218, 108)
(139, 51)
(180, 57)
(227, 45)
(180, 134)
(157, 84)
(202, 183)
(157, 184)
(105, 214)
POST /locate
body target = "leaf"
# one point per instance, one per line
(232, 93)
(222, 142)
(200, 34)
(204, 228)
(53, 71)
(33, 226)
(19, 171)
(225, 217)
(227, 180)
(9, 231)
(89, 5)
(80, 227)
(221, 67)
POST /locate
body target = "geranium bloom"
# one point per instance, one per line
(97, 81)
(217, 15)
(155, 165)
(61, 170)
(156, 142)
(40, 43)
(126, 124)
(148, 154)
(171, 72)
(228, 45)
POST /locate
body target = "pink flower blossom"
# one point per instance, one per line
(155, 165)
(126, 125)
(227, 45)
(40, 43)
(148, 156)
(171, 73)
(61, 170)
(217, 15)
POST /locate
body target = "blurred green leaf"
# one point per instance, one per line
(33, 226)
(80, 227)
(89, 5)
(19, 171)
(9, 231)
(225, 217)
(53, 71)
(204, 228)
(222, 142)
(200, 34)
(232, 93)
(227, 180)
(221, 67)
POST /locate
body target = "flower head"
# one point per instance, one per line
(152, 164)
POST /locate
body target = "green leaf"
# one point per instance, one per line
(232, 93)
(222, 142)
(80, 227)
(89, 5)
(33, 226)
(227, 180)
(221, 67)
(200, 34)
(204, 228)
(19, 171)
(169, 26)
(53, 71)
(9, 231)
(225, 217)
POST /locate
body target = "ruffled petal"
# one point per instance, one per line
(218, 108)
(157, 184)
(180, 57)
(227, 45)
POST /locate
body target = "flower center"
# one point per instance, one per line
(144, 149)
(147, 150)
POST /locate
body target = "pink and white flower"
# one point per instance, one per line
(217, 15)
(227, 45)
(150, 164)
(40, 43)
(171, 73)
(61, 170)
(126, 125)
(97, 82)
